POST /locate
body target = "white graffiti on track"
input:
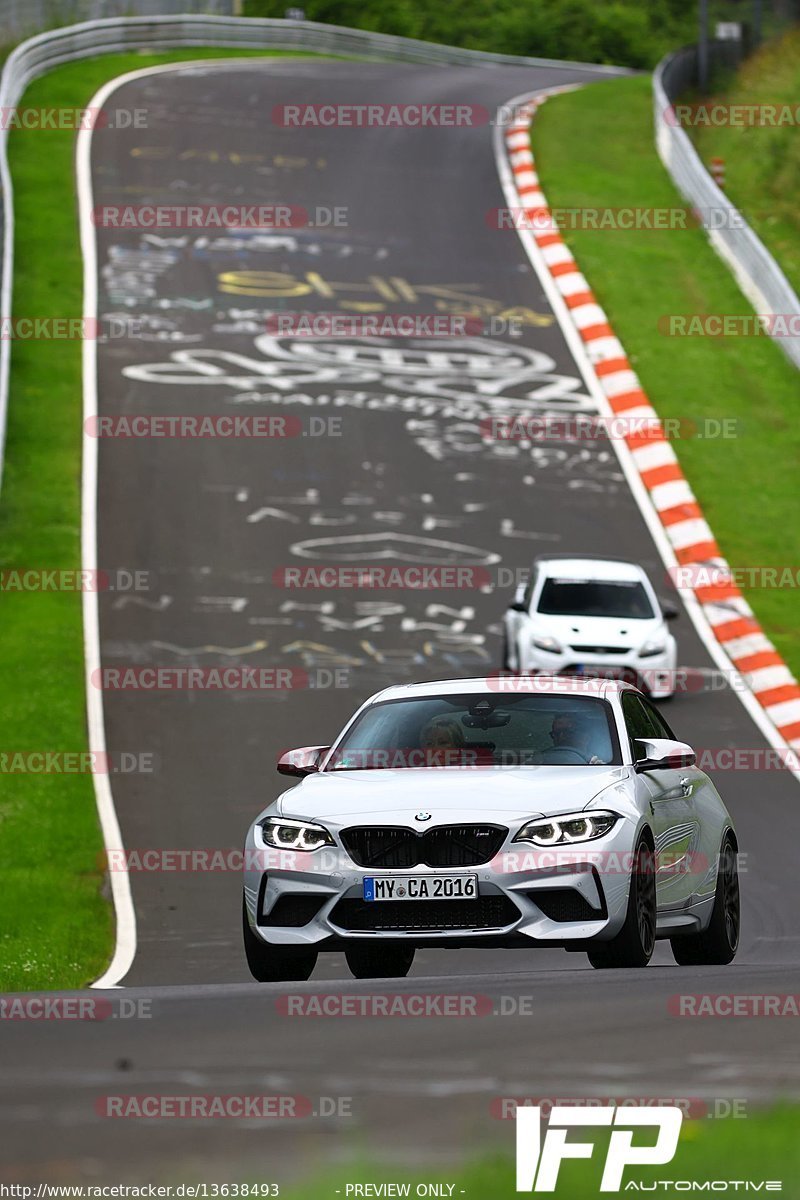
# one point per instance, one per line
(456, 370)
(402, 547)
(130, 275)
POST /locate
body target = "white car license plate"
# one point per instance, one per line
(420, 887)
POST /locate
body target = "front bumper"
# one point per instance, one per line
(526, 896)
(654, 674)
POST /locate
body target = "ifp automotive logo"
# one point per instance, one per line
(538, 1162)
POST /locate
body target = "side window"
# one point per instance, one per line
(637, 721)
(661, 727)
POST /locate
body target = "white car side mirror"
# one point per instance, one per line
(659, 754)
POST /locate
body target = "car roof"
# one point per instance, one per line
(507, 684)
(590, 568)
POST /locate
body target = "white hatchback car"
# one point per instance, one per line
(595, 617)
(499, 812)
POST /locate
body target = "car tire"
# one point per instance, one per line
(379, 962)
(633, 946)
(275, 964)
(719, 941)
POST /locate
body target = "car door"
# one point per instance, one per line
(667, 795)
(690, 856)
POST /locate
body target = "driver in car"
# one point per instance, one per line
(443, 738)
(569, 732)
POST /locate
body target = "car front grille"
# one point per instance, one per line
(398, 848)
(601, 649)
(410, 916)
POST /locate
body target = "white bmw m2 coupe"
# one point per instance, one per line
(497, 812)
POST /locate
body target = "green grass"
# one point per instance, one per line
(757, 1147)
(56, 925)
(762, 164)
(595, 148)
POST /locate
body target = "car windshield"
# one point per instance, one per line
(595, 598)
(478, 730)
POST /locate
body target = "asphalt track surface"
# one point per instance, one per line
(212, 520)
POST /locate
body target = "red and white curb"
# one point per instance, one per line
(691, 540)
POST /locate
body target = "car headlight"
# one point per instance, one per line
(575, 827)
(652, 647)
(285, 834)
(547, 643)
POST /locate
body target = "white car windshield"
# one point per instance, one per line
(627, 600)
(480, 730)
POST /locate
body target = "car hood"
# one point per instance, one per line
(448, 794)
(599, 631)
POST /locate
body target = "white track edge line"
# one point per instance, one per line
(125, 938)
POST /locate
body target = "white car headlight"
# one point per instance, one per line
(574, 827)
(285, 834)
(653, 646)
(547, 643)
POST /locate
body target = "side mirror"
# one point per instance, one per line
(669, 611)
(518, 603)
(304, 761)
(662, 754)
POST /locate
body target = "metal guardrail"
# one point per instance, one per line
(755, 270)
(162, 33)
(21, 18)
